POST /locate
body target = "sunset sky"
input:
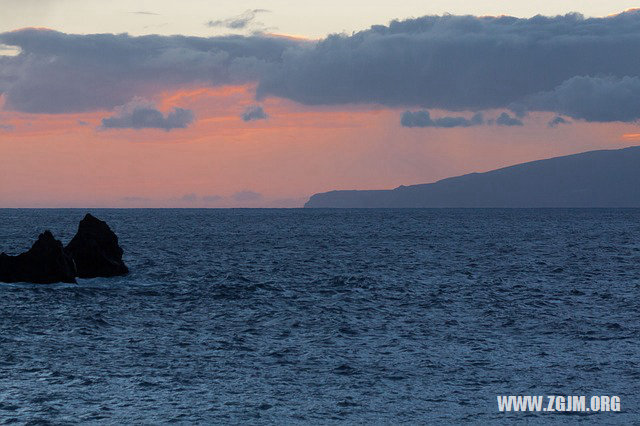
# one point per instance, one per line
(261, 104)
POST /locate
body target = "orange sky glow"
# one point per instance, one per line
(54, 160)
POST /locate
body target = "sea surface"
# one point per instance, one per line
(327, 316)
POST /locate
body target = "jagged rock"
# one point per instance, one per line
(45, 263)
(95, 250)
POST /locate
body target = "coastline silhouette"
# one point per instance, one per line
(604, 178)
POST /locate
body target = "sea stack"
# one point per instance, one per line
(45, 263)
(95, 250)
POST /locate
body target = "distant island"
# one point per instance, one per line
(605, 178)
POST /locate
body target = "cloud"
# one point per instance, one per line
(506, 120)
(246, 196)
(459, 63)
(66, 73)
(141, 114)
(240, 22)
(254, 112)
(570, 65)
(212, 198)
(423, 119)
(9, 50)
(5, 127)
(599, 99)
(556, 121)
(136, 200)
(239, 199)
(189, 198)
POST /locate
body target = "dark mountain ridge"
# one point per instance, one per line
(604, 178)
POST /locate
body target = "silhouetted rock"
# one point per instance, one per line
(45, 263)
(95, 250)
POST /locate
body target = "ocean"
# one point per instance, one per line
(327, 316)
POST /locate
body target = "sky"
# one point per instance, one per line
(261, 104)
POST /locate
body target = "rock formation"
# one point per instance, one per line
(95, 250)
(45, 263)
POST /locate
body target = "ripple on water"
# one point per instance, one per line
(381, 316)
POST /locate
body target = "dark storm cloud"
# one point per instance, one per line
(254, 112)
(62, 73)
(505, 119)
(556, 121)
(140, 114)
(423, 119)
(593, 99)
(239, 22)
(581, 68)
(462, 62)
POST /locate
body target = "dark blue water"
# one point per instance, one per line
(303, 316)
